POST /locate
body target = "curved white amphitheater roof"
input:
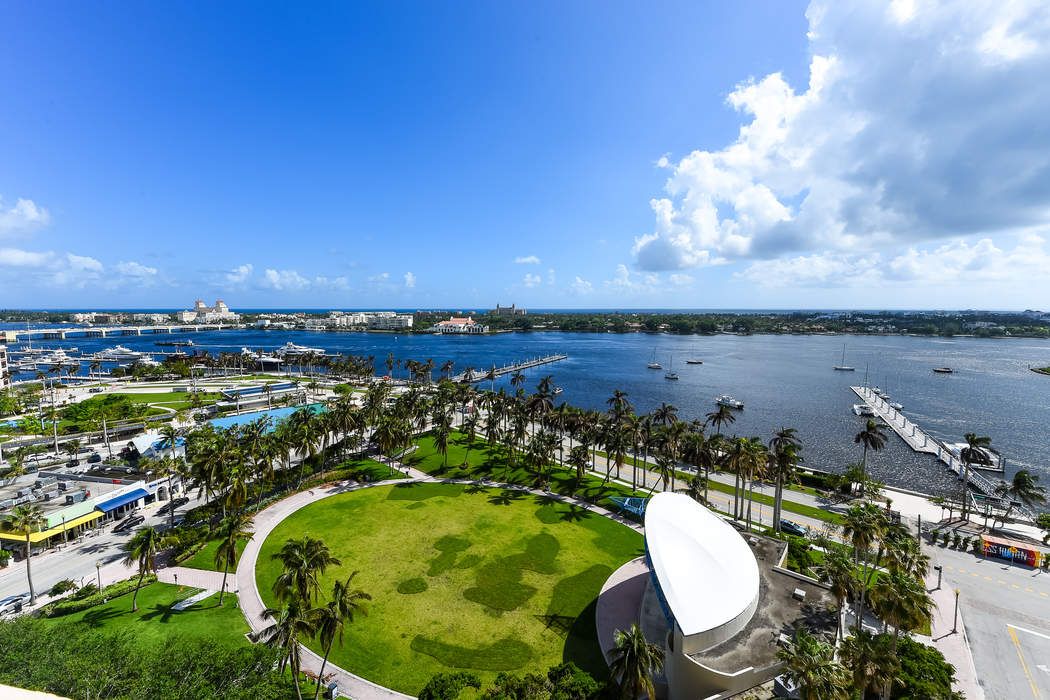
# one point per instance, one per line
(705, 569)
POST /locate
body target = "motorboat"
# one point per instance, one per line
(896, 406)
(863, 410)
(291, 348)
(943, 370)
(843, 367)
(248, 353)
(558, 390)
(983, 458)
(728, 401)
(694, 362)
(147, 361)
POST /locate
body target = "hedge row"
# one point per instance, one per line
(75, 604)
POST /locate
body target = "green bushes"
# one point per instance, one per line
(63, 586)
(799, 555)
(81, 601)
(924, 673)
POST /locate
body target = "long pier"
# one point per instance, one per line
(915, 438)
(482, 375)
(13, 335)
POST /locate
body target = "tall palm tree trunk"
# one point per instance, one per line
(225, 572)
(29, 573)
(320, 674)
(135, 598)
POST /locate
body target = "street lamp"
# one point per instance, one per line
(940, 570)
(98, 572)
(955, 626)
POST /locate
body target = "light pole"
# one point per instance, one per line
(939, 569)
(955, 626)
(98, 572)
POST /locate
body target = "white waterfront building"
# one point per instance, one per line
(202, 313)
(462, 325)
(375, 320)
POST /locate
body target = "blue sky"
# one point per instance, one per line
(550, 154)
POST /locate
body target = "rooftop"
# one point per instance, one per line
(707, 572)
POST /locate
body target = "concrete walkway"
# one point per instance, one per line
(620, 602)
(954, 645)
(197, 578)
(265, 522)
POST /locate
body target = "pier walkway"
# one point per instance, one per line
(914, 437)
(482, 375)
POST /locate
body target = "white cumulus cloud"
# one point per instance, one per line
(134, 269)
(921, 134)
(284, 280)
(527, 260)
(239, 275)
(581, 286)
(23, 215)
(531, 280)
(410, 280)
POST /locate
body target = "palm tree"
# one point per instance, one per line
(721, 416)
(840, 575)
(810, 664)
(25, 520)
(970, 454)
(784, 456)
(303, 561)
(872, 659)
(873, 438)
(634, 661)
(142, 550)
(290, 624)
(232, 530)
(863, 526)
(171, 434)
(1025, 488)
(330, 620)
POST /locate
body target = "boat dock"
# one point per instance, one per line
(914, 437)
(482, 375)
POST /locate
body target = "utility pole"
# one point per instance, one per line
(955, 626)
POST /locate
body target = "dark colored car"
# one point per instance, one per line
(793, 528)
(129, 522)
(174, 503)
(94, 458)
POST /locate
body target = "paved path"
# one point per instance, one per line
(954, 645)
(265, 522)
(619, 602)
(197, 578)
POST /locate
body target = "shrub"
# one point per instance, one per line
(85, 590)
(923, 673)
(956, 540)
(944, 539)
(78, 603)
(799, 557)
(63, 586)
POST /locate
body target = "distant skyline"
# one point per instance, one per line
(773, 155)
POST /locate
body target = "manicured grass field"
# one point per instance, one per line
(461, 577)
(155, 621)
(205, 558)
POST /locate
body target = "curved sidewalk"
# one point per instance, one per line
(268, 519)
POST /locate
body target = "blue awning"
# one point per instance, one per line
(114, 503)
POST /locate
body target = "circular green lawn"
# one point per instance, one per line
(461, 577)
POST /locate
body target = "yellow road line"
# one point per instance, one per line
(1020, 655)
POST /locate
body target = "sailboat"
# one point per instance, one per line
(843, 367)
(671, 374)
(653, 364)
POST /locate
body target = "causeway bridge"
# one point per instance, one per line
(480, 375)
(13, 335)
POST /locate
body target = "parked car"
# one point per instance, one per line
(174, 503)
(128, 523)
(793, 528)
(13, 603)
(73, 462)
(95, 390)
(95, 458)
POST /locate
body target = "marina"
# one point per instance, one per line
(915, 438)
(471, 375)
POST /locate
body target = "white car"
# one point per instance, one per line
(13, 603)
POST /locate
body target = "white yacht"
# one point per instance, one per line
(986, 458)
(729, 401)
(117, 353)
(863, 410)
(897, 406)
(291, 348)
(842, 366)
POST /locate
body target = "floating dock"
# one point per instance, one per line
(481, 375)
(914, 437)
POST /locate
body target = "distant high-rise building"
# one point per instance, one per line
(203, 313)
(511, 310)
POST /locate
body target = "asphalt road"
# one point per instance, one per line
(1006, 609)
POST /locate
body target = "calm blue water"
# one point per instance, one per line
(784, 381)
